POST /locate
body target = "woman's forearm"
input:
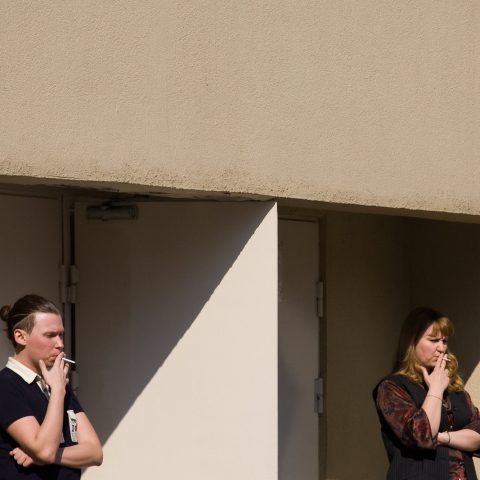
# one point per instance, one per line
(432, 406)
(79, 456)
(465, 439)
(49, 434)
(87, 452)
(41, 441)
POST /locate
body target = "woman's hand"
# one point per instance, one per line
(22, 458)
(437, 380)
(443, 438)
(56, 378)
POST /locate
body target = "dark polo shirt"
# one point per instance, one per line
(18, 399)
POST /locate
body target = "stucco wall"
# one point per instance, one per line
(370, 103)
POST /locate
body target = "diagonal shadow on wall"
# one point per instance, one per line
(142, 285)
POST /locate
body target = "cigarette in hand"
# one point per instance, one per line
(65, 359)
(445, 358)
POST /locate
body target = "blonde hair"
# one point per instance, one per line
(415, 326)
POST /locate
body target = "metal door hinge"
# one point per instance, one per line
(318, 389)
(112, 211)
(68, 283)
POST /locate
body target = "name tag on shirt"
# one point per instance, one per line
(72, 423)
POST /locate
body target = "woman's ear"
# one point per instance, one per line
(20, 336)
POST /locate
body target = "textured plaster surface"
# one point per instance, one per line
(366, 103)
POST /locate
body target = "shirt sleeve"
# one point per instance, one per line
(475, 415)
(13, 405)
(409, 423)
(71, 401)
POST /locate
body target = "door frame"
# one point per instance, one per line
(312, 216)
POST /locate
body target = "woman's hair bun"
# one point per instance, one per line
(4, 311)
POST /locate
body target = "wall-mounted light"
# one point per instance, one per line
(107, 212)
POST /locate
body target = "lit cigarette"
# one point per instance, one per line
(446, 358)
(65, 359)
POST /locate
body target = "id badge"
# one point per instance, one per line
(72, 424)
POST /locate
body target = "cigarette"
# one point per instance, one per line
(65, 359)
(446, 358)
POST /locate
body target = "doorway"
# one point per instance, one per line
(30, 250)
(300, 398)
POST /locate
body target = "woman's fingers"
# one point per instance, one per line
(439, 376)
(56, 377)
(426, 377)
(21, 457)
(43, 368)
(444, 360)
(58, 360)
(439, 361)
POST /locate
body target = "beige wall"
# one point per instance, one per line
(369, 103)
(177, 341)
(378, 268)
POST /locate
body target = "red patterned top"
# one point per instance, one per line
(412, 427)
